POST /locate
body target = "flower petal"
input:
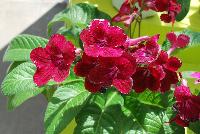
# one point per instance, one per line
(42, 75)
(60, 75)
(182, 41)
(172, 38)
(124, 86)
(102, 75)
(40, 57)
(92, 87)
(173, 64)
(181, 92)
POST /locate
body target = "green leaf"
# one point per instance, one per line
(19, 79)
(65, 104)
(149, 119)
(194, 128)
(14, 65)
(154, 98)
(18, 85)
(20, 47)
(103, 114)
(185, 7)
(75, 19)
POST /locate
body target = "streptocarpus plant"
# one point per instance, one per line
(107, 80)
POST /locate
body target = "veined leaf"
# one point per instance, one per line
(65, 104)
(19, 79)
(149, 119)
(103, 115)
(20, 47)
(76, 18)
(19, 86)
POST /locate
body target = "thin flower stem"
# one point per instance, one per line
(130, 30)
(134, 28)
(139, 30)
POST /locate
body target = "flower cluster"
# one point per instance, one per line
(187, 106)
(111, 58)
(128, 11)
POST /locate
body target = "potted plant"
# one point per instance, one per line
(99, 70)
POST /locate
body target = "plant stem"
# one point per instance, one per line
(139, 30)
(134, 28)
(130, 30)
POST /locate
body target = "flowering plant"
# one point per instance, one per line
(103, 76)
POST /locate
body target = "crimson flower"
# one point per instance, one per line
(126, 13)
(179, 41)
(102, 72)
(158, 75)
(145, 51)
(187, 106)
(101, 39)
(173, 9)
(53, 61)
(196, 75)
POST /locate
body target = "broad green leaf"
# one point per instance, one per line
(154, 98)
(76, 15)
(18, 85)
(149, 119)
(103, 115)
(20, 47)
(194, 128)
(14, 65)
(65, 104)
(76, 18)
(19, 79)
(185, 7)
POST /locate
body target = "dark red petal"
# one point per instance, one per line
(181, 92)
(166, 18)
(116, 37)
(127, 67)
(157, 72)
(102, 75)
(96, 51)
(82, 69)
(139, 80)
(124, 86)
(172, 38)
(60, 75)
(40, 57)
(42, 75)
(182, 41)
(170, 78)
(162, 58)
(173, 64)
(179, 121)
(92, 87)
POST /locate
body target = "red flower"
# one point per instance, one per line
(145, 51)
(53, 61)
(101, 39)
(173, 9)
(126, 13)
(187, 106)
(102, 72)
(158, 75)
(180, 41)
